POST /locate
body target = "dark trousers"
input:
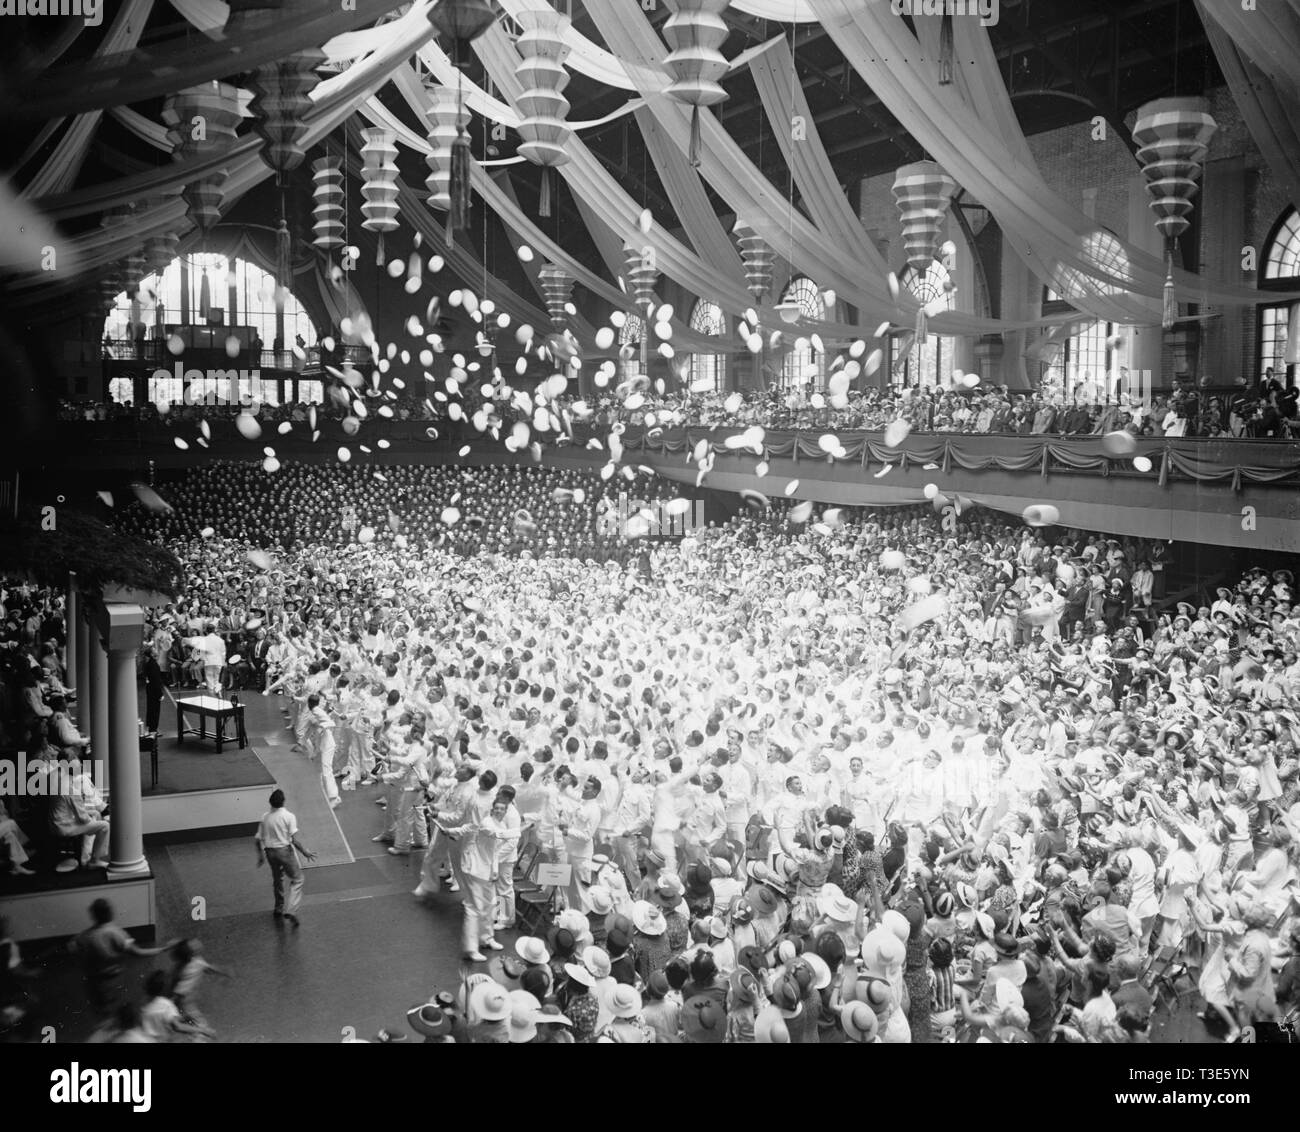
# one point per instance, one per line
(153, 697)
(285, 868)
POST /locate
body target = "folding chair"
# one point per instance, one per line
(535, 907)
(1162, 973)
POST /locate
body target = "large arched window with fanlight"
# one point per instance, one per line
(239, 294)
(802, 365)
(242, 302)
(1279, 322)
(629, 341)
(706, 370)
(929, 362)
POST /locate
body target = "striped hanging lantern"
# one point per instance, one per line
(923, 192)
(543, 105)
(327, 192)
(640, 275)
(557, 287)
(446, 119)
(201, 122)
(110, 286)
(757, 258)
(1173, 136)
(159, 251)
(281, 89)
(696, 32)
(133, 271)
(462, 21)
(379, 190)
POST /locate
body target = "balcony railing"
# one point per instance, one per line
(314, 359)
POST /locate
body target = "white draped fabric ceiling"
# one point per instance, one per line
(969, 127)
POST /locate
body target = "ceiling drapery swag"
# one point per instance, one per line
(1174, 135)
(543, 77)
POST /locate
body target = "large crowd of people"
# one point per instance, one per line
(1269, 410)
(846, 776)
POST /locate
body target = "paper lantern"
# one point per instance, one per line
(696, 32)
(640, 275)
(758, 259)
(327, 212)
(1173, 137)
(446, 119)
(110, 286)
(557, 286)
(201, 122)
(133, 271)
(281, 89)
(159, 251)
(379, 187)
(543, 105)
(923, 192)
(462, 21)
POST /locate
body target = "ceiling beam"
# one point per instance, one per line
(843, 83)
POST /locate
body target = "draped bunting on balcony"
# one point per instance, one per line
(1206, 461)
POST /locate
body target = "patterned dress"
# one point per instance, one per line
(678, 934)
(583, 1010)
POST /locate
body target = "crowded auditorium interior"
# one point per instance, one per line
(600, 521)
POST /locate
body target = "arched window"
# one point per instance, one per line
(795, 371)
(930, 362)
(240, 294)
(1281, 272)
(707, 318)
(632, 332)
(1086, 362)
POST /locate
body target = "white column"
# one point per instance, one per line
(126, 841)
(95, 699)
(118, 634)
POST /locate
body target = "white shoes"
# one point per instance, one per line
(476, 957)
(492, 945)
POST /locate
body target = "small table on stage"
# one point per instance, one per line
(221, 712)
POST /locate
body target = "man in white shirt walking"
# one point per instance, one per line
(277, 843)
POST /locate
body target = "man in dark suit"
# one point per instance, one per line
(153, 691)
